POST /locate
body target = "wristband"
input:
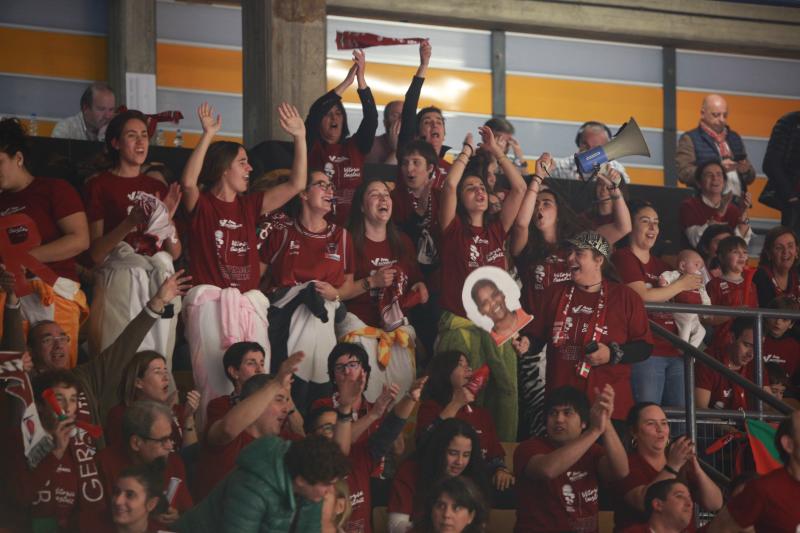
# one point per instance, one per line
(365, 284)
(344, 417)
(670, 470)
(159, 313)
(466, 145)
(17, 305)
(614, 196)
(616, 353)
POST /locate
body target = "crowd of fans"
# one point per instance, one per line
(333, 364)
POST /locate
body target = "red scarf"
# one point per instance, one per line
(720, 139)
(18, 384)
(348, 40)
(562, 327)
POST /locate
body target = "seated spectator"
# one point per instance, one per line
(711, 140)
(147, 439)
(138, 494)
(146, 378)
(384, 148)
(100, 376)
(780, 345)
(658, 379)
(559, 475)
(97, 108)
(472, 239)
(451, 451)
(669, 508)
(63, 490)
(224, 261)
(53, 209)
(133, 238)
(689, 327)
(713, 390)
(711, 206)
(446, 396)
(777, 378)
(311, 262)
(241, 361)
(456, 505)
(276, 486)
(330, 146)
(590, 135)
(653, 459)
(770, 502)
(707, 248)
(777, 266)
(387, 282)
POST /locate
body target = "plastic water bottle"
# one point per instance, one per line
(178, 141)
(33, 127)
(160, 137)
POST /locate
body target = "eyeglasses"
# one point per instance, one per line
(49, 340)
(325, 428)
(163, 441)
(351, 365)
(324, 185)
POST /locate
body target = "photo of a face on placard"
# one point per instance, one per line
(491, 300)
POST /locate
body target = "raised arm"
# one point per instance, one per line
(449, 199)
(191, 172)
(365, 135)
(520, 230)
(614, 464)
(621, 224)
(102, 244)
(513, 200)
(292, 123)
(315, 112)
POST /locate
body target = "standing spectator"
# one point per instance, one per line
(714, 391)
(54, 209)
(777, 266)
(590, 135)
(669, 508)
(713, 140)
(781, 164)
(384, 149)
(97, 108)
(770, 502)
(331, 148)
(277, 486)
(659, 379)
(455, 506)
(504, 133)
(471, 238)
(559, 475)
(138, 493)
(241, 361)
(711, 207)
(653, 459)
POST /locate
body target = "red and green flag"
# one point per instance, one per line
(762, 443)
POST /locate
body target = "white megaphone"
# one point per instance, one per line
(628, 141)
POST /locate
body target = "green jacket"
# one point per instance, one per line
(257, 496)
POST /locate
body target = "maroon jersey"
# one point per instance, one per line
(361, 412)
(695, 212)
(631, 269)
(536, 277)
(625, 321)
(478, 417)
(784, 351)
(358, 483)
(343, 163)
(566, 503)
(724, 393)
(46, 201)
(297, 255)
(769, 503)
(224, 247)
(730, 293)
(404, 486)
(374, 256)
(465, 248)
(110, 198)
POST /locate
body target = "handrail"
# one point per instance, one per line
(729, 414)
(721, 310)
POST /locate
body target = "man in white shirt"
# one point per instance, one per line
(590, 135)
(97, 109)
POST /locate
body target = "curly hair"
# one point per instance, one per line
(316, 459)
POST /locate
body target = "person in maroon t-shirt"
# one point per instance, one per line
(147, 438)
(331, 149)
(770, 502)
(262, 410)
(224, 215)
(714, 391)
(241, 361)
(594, 328)
(777, 266)
(653, 459)
(658, 379)
(711, 207)
(780, 346)
(138, 494)
(446, 396)
(669, 509)
(558, 476)
(147, 377)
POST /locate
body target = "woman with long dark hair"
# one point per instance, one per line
(777, 266)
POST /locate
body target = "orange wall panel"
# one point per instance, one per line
(199, 68)
(46, 53)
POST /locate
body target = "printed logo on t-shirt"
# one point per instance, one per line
(379, 262)
(229, 224)
(11, 210)
(331, 252)
(239, 247)
(474, 256)
(494, 255)
(576, 476)
(568, 495)
(582, 309)
(774, 358)
(294, 247)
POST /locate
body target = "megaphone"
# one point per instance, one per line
(628, 141)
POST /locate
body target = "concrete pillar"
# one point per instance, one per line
(283, 45)
(498, 73)
(132, 48)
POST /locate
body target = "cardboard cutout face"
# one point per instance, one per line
(491, 299)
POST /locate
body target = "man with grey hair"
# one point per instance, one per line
(147, 439)
(590, 135)
(97, 109)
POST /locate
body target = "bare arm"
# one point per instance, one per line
(678, 453)
(708, 493)
(520, 230)
(553, 464)
(449, 200)
(191, 172)
(513, 201)
(621, 224)
(75, 239)
(702, 397)
(724, 523)
(292, 123)
(686, 282)
(102, 245)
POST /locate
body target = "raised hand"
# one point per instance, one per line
(175, 285)
(415, 391)
(191, 404)
(394, 134)
(385, 399)
(172, 199)
(521, 344)
(489, 142)
(206, 115)
(424, 52)
(543, 165)
(288, 368)
(351, 390)
(469, 140)
(360, 60)
(291, 121)
(680, 451)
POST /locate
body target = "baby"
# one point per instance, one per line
(689, 327)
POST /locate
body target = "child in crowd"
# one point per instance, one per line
(689, 327)
(780, 346)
